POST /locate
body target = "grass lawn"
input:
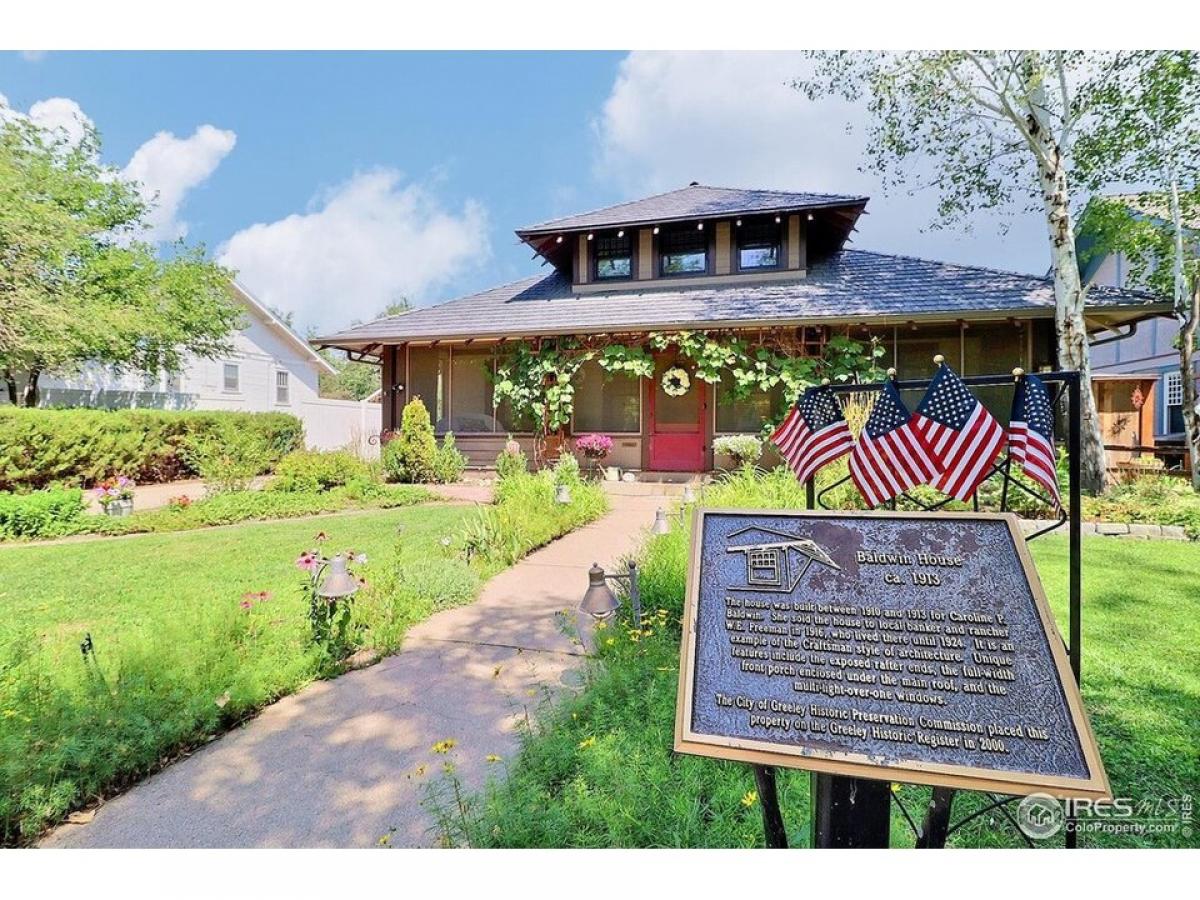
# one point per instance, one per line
(177, 658)
(599, 770)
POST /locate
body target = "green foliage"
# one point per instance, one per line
(352, 381)
(318, 470)
(537, 382)
(525, 516)
(411, 455)
(228, 458)
(511, 461)
(566, 470)
(1156, 500)
(39, 513)
(741, 448)
(79, 447)
(193, 633)
(80, 285)
(227, 508)
(598, 769)
(449, 463)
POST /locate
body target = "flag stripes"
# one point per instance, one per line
(964, 437)
(1031, 435)
(891, 456)
(813, 434)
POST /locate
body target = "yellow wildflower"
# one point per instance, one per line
(586, 742)
(444, 746)
(493, 758)
(750, 798)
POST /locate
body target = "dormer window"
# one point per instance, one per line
(683, 251)
(759, 243)
(613, 256)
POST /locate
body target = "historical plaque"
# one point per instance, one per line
(911, 647)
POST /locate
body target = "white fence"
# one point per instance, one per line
(333, 424)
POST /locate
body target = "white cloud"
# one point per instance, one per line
(62, 116)
(365, 243)
(168, 167)
(732, 119)
(165, 167)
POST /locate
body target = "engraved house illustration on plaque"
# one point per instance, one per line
(776, 560)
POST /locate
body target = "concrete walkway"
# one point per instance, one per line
(345, 762)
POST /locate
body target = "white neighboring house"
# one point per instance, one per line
(270, 369)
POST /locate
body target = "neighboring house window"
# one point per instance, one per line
(1173, 400)
(683, 251)
(281, 387)
(759, 243)
(613, 256)
(232, 377)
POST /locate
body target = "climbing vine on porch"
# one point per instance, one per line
(537, 380)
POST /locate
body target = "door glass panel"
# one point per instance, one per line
(676, 413)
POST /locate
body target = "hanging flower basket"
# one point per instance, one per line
(676, 382)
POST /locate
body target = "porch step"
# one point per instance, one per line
(662, 484)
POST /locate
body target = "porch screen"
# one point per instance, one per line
(749, 414)
(471, 392)
(610, 404)
(429, 379)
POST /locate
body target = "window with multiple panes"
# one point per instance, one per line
(764, 567)
(232, 377)
(281, 387)
(1173, 402)
(745, 414)
(174, 383)
(683, 251)
(759, 244)
(612, 256)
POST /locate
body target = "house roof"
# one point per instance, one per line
(852, 286)
(1154, 206)
(696, 201)
(281, 327)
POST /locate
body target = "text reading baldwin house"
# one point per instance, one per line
(769, 267)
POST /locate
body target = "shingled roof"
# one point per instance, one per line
(850, 286)
(696, 201)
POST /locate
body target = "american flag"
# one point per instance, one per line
(891, 456)
(1031, 434)
(964, 436)
(814, 433)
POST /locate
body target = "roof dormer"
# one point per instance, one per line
(697, 232)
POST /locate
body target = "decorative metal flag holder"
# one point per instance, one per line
(856, 812)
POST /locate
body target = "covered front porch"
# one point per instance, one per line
(663, 429)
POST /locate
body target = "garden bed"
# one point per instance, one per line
(191, 633)
(599, 770)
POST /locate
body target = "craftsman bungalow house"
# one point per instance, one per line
(771, 266)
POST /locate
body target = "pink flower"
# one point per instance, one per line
(245, 604)
(307, 562)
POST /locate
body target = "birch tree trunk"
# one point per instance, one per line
(1069, 296)
(1188, 320)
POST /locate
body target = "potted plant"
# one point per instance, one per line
(742, 449)
(115, 496)
(595, 447)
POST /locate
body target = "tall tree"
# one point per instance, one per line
(1150, 135)
(76, 284)
(997, 127)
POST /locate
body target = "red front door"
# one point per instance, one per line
(676, 427)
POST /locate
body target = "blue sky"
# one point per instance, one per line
(335, 181)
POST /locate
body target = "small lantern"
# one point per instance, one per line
(661, 525)
(338, 582)
(689, 494)
(562, 494)
(599, 601)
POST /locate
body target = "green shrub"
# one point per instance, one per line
(449, 463)
(79, 447)
(566, 470)
(228, 458)
(525, 516)
(318, 470)
(511, 461)
(40, 514)
(411, 455)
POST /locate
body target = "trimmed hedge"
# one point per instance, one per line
(79, 447)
